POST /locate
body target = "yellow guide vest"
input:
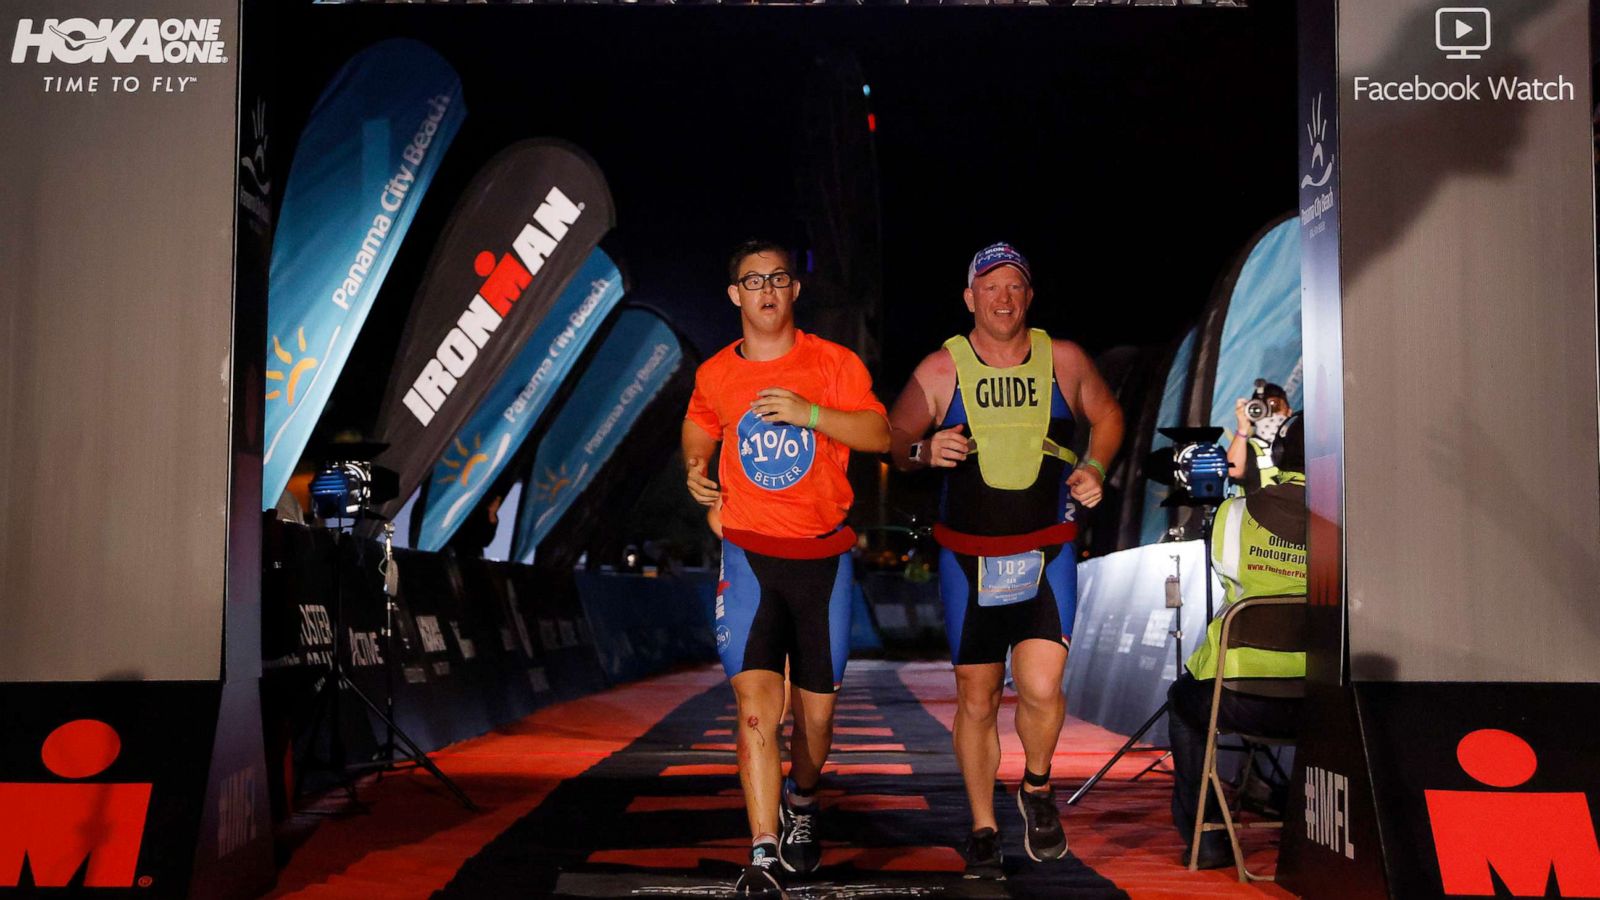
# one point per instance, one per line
(1253, 562)
(1008, 412)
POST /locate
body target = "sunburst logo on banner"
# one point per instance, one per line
(552, 484)
(289, 380)
(462, 461)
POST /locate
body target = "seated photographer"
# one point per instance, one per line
(1250, 451)
(1269, 526)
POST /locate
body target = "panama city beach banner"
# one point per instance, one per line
(1153, 525)
(370, 148)
(479, 452)
(518, 235)
(636, 359)
(1261, 333)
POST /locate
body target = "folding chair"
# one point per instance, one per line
(1264, 623)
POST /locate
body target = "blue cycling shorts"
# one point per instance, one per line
(770, 608)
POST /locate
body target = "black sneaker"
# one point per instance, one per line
(763, 877)
(1042, 836)
(800, 849)
(983, 856)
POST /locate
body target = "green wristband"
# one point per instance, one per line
(1095, 463)
(816, 413)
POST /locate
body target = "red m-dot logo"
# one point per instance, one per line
(1520, 835)
(54, 828)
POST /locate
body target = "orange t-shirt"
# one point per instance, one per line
(779, 480)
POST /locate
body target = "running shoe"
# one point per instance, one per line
(763, 877)
(983, 856)
(1042, 836)
(800, 849)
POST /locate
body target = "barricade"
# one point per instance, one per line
(437, 700)
(643, 625)
(474, 643)
(503, 676)
(550, 624)
(1122, 658)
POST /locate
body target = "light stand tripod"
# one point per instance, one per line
(412, 755)
(338, 680)
(1207, 515)
(1174, 591)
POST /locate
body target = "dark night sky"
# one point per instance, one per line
(1129, 152)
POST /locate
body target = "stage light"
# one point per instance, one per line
(1196, 466)
(349, 489)
(866, 90)
(1202, 470)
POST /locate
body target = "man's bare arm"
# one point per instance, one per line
(1239, 444)
(865, 430)
(698, 448)
(917, 408)
(1099, 406)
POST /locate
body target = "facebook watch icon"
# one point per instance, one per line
(1461, 31)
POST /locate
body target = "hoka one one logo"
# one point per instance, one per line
(77, 40)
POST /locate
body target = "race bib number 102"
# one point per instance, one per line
(1004, 580)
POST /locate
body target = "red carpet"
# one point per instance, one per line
(412, 839)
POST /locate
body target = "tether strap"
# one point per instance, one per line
(1050, 448)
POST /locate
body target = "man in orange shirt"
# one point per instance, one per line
(787, 407)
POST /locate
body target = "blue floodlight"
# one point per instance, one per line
(348, 489)
(1202, 470)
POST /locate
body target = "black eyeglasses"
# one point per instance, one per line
(755, 281)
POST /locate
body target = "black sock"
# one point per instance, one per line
(801, 798)
(1037, 781)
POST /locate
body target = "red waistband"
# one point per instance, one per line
(1006, 544)
(793, 548)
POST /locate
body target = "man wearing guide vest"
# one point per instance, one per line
(1251, 446)
(1000, 403)
(1258, 547)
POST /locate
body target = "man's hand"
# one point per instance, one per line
(714, 519)
(780, 407)
(1245, 425)
(946, 448)
(702, 489)
(1085, 485)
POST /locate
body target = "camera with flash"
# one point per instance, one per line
(1257, 408)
